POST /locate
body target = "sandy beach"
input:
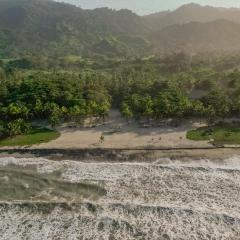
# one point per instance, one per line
(118, 133)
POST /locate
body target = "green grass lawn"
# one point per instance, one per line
(36, 135)
(220, 133)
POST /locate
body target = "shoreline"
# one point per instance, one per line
(123, 154)
(118, 134)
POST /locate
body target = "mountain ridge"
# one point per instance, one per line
(41, 25)
(58, 29)
(192, 12)
(195, 37)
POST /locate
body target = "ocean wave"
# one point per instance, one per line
(167, 199)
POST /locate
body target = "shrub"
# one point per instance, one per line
(16, 127)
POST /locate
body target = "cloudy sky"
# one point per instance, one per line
(149, 6)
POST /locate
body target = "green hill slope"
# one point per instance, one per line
(50, 28)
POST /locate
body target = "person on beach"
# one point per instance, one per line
(101, 139)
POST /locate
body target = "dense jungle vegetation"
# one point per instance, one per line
(71, 89)
(61, 63)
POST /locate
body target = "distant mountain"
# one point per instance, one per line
(48, 27)
(192, 13)
(196, 37)
(51, 28)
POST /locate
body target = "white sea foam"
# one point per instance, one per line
(198, 199)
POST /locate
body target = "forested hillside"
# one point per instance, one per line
(195, 37)
(50, 28)
(192, 13)
(33, 27)
(62, 63)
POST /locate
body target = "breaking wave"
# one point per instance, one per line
(198, 199)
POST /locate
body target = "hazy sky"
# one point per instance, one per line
(149, 6)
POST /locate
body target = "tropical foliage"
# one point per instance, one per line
(174, 86)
